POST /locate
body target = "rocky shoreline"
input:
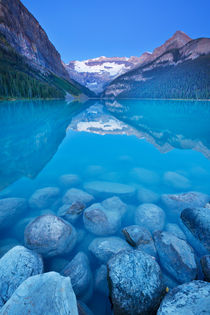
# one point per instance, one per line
(70, 242)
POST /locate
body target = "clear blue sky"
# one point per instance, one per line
(82, 29)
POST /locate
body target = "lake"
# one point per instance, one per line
(137, 150)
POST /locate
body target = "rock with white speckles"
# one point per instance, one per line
(44, 198)
(176, 256)
(77, 195)
(103, 248)
(50, 236)
(135, 283)
(188, 298)
(150, 216)
(17, 265)
(49, 293)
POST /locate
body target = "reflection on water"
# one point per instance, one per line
(30, 134)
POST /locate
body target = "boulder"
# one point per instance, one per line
(101, 284)
(115, 204)
(197, 220)
(71, 212)
(145, 195)
(103, 248)
(175, 230)
(17, 265)
(69, 180)
(77, 195)
(81, 277)
(135, 283)
(176, 180)
(103, 188)
(138, 236)
(150, 216)
(188, 298)
(102, 221)
(50, 236)
(179, 202)
(176, 256)
(44, 198)
(205, 264)
(10, 210)
(49, 293)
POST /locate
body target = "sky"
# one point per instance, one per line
(84, 29)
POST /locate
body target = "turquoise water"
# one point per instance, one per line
(103, 141)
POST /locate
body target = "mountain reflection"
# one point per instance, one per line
(30, 134)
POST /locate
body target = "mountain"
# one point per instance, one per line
(180, 68)
(96, 73)
(29, 59)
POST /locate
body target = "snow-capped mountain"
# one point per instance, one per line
(98, 72)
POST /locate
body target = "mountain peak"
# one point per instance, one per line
(178, 40)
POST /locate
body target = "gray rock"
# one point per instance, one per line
(74, 195)
(49, 293)
(145, 195)
(186, 299)
(150, 216)
(103, 188)
(176, 256)
(103, 248)
(10, 210)
(70, 180)
(197, 220)
(179, 202)
(176, 180)
(71, 212)
(102, 221)
(16, 266)
(101, 284)
(205, 263)
(135, 283)
(115, 204)
(81, 277)
(50, 236)
(141, 238)
(83, 309)
(169, 282)
(175, 230)
(44, 198)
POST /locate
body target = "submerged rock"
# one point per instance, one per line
(115, 204)
(44, 198)
(176, 180)
(6, 244)
(189, 298)
(145, 176)
(150, 216)
(81, 277)
(101, 280)
(135, 283)
(103, 248)
(176, 256)
(16, 266)
(99, 219)
(175, 230)
(197, 220)
(49, 293)
(50, 235)
(70, 180)
(205, 264)
(141, 238)
(71, 212)
(77, 195)
(10, 210)
(179, 202)
(104, 188)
